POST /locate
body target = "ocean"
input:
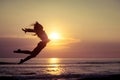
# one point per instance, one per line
(60, 69)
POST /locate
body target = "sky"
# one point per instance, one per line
(87, 28)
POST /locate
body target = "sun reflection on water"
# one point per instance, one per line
(54, 68)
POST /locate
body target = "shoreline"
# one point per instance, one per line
(65, 77)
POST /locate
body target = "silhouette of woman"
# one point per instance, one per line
(38, 30)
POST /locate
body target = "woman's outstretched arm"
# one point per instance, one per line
(28, 30)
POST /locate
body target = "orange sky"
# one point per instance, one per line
(87, 28)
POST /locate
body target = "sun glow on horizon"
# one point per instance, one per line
(53, 60)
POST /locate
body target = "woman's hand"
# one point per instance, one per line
(24, 30)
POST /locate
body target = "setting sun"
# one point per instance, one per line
(54, 36)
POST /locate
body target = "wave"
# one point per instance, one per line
(108, 62)
(84, 62)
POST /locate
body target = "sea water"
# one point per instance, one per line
(58, 68)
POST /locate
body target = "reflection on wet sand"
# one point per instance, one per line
(55, 67)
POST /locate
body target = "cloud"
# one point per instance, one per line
(64, 41)
(62, 44)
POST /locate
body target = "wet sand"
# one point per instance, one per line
(64, 77)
